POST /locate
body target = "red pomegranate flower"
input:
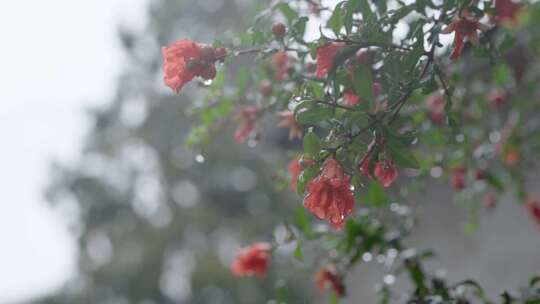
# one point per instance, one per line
(464, 27)
(252, 260)
(281, 64)
(247, 115)
(325, 57)
(328, 277)
(350, 98)
(507, 12)
(288, 121)
(458, 178)
(329, 195)
(435, 104)
(533, 207)
(386, 172)
(185, 59)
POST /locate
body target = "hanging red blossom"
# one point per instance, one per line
(507, 12)
(281, 64)
(533, 207)
(247, 115)
(252, 260)
(386, 172)
(351, 99)
(325, 57)
(458, 178)
(185, 59)
(288, 121)
(435, 104)
(328, 277)
(329, 195)
(464, 27)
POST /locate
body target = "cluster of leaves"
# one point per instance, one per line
(429, 115)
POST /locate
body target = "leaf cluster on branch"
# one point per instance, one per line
(382, 98)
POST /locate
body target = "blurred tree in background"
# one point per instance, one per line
(158, 222)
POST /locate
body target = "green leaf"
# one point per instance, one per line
(343, 54)
(494, 181)
(287, 11)
(336, 20)
(363, 84)
(303, 222)
(366, 11)
(376, 194)
(317, 89)
(219, 80)
(401, 13)
(334, 299)
(305, 177)
(350, 9)
(501, 75)
(312, 144)
(314, 115)
(298, 252)
(298, 28)
(402, 155)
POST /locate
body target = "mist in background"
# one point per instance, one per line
(58, 58)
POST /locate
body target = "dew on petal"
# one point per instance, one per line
(367, 257)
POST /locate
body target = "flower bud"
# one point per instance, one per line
(279, 29)
(208, 53)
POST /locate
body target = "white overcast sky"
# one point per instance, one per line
(57, 57)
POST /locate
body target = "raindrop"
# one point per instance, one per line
(252, 143)
(495, 137)
(392, 253)
(436, 172)
(367, 257)
(199, 158)
(389, 279)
